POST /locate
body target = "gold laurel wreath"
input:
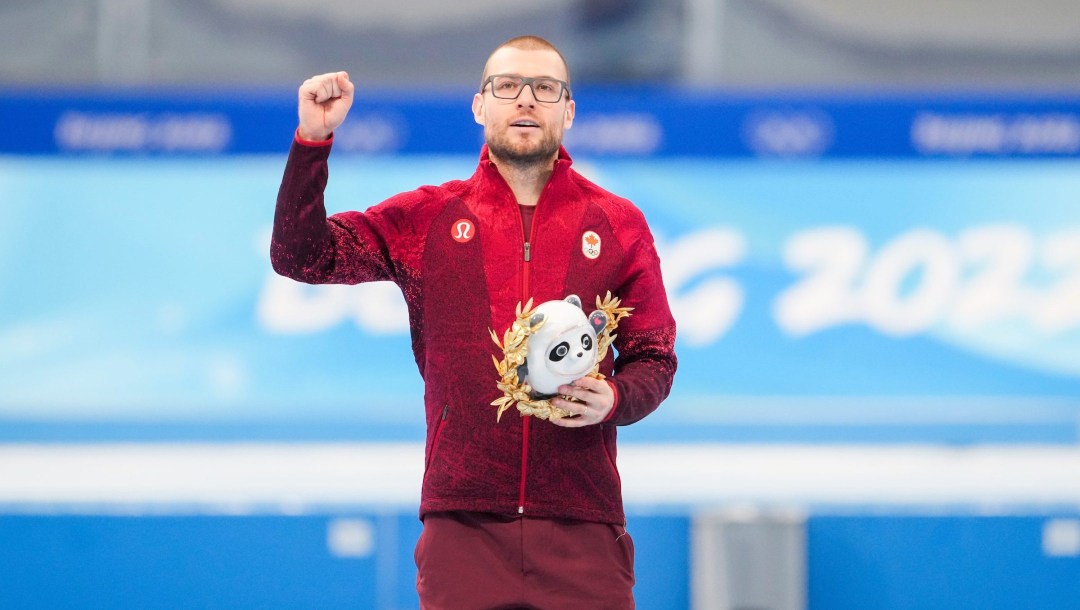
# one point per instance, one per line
(515, 345)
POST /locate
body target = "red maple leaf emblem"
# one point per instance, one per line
(591, 240)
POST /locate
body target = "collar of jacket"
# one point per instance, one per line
(497, 184)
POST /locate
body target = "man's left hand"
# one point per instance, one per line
(596, 401)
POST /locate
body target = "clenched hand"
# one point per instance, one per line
(324, 102)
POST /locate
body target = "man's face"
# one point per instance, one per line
(523, 131)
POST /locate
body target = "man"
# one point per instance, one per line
(518, 512)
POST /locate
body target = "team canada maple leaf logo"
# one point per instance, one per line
(590, 244)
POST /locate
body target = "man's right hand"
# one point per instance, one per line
(324, 102)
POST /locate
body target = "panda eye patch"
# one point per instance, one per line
(559, 352)
(586, 342)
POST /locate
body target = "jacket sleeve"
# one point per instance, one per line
(645, 341)
(306, 246)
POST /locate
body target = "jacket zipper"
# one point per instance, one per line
(526, 421)
(525, 287)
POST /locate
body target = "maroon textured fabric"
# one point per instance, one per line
(457, 253)
(482, 561)
(526, 218)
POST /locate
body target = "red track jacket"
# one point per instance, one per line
(458, 253)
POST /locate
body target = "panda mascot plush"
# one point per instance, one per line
(564, 348)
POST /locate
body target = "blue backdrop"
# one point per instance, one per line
(912, 276)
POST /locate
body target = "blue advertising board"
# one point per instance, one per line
(345, 558)
(639, 122)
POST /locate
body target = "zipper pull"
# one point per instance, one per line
(445, 410)
(527, 248)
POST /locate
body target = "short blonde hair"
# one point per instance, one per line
(527, 43)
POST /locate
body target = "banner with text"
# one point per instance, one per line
(824, 300)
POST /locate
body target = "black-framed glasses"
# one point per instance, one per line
(510, 86)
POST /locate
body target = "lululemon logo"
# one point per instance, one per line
(590, 244)
(462, 231)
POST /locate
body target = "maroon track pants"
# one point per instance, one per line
(479, 561)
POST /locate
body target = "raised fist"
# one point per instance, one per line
(324, 102)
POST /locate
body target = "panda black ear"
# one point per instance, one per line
(536, 319)
(574, 300)
(598, 320)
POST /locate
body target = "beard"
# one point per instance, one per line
(523, 154)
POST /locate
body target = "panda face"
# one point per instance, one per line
(563, 350)
(573, 354)
(566, 355)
